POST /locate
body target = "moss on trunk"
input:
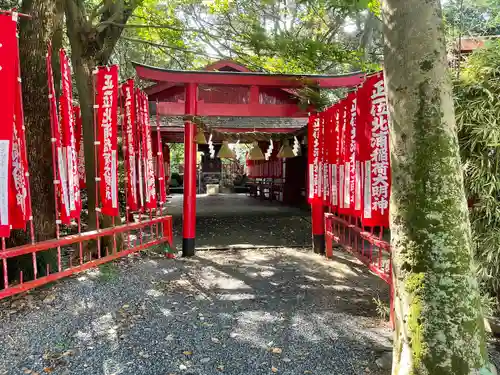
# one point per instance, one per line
(439, 325)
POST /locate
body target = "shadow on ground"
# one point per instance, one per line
(235, 219)
(240, 312)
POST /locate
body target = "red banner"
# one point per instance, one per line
(332, 155)
(166, 157)
(335, 154)
(68, 138)
(325, 147)
(8, 94)
(107, 111)
(19, 202)
(377, 179)
(129, 143)
(354, 164)
(58, 159)
(343, 123)
(147, 149)
(159, 157)
(79, 147)
(314, 175)
(138, 144)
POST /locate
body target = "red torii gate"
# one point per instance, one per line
(254, 108)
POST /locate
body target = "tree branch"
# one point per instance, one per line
(166, 46)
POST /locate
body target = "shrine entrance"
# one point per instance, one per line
(227, 103)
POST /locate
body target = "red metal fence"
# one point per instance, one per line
(371, 247)
(76, 253)
(72, 249)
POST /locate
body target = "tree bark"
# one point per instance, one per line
(92, 46)
(34, 37)
(439, 323)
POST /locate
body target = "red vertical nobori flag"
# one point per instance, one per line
(79, 146)
(363, 131)
(354, 164)
(325, 146)
(107, 111)
(8, 77)
(314, 129)
(166, 157)
(19, 203)
(138, 147)
(60, 170)
(63, 172)
(342, 122)
(377, 179)
(332, 155)
(348, 209)
(149, 179)
(159, 157)
(68, 137)
(129, 142)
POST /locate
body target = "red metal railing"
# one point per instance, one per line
(369, 246)
(71, 258)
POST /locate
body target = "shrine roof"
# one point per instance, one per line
(232, 77)
(241, 123)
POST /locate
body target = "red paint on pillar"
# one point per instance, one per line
(189, 213)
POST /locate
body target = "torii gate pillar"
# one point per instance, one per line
(190, 148)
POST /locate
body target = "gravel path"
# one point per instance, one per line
(282, 311)
(235, 219)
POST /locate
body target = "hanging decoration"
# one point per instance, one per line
(129, 142)
(255, 152)
(297, 150)
(107, 111)
(200, 137)
(211, 147)
(225, 152)
(269, 150)
(286, 151)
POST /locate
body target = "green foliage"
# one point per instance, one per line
(478, 112)
(271, 35)
(472, 17)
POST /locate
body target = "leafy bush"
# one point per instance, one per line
(477, 104)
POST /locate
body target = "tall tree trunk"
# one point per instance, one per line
(91, 46)
(34, 36)
(82, 69)
(439, 323)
